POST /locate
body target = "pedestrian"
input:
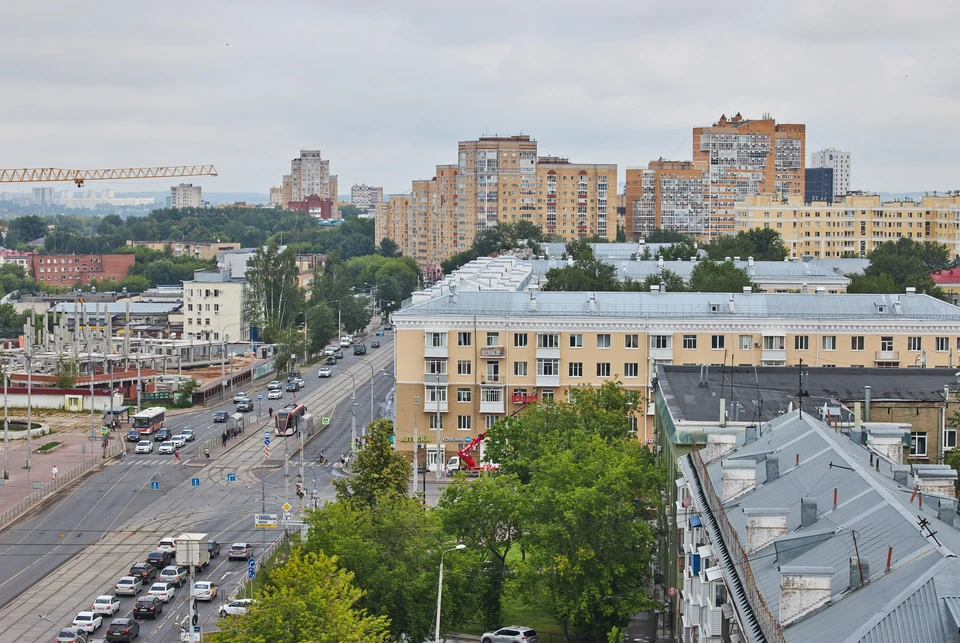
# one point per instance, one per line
(123, 456)
(55, 471)
(176, 454)
(206, 453)
(270, 411)
(223, 436)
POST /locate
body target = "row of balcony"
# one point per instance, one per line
(492, 406)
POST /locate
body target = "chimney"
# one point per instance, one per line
(660, 263)
(726, 258)
(723, 412)
(720, 442)
(936, 480)
(803, 590)
(764, 526)
(803, 288)
(947, 511)
(533, 301)
(731, 305)
(808, 511)
(773, 467)
(663, 286)
(654, 288)
(821, 290)
(887, 443)
(749, 435)
(901, 474)
(859, 572)
(736, 259)
(750, 262)
(866, 403)
(739, 477)
(451, 299)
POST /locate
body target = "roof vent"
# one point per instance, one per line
(911, 290)
(821, 290)
(663, 286)
(593, 303)
(533, 302)
(803, 590)
(772, 464)
(654, 288)
(947, 511)
(660, 263)
(720, 442)
(859, 572)
(764, 526)
(808, 512)
(750, 262)
(736, 258)
(803, 288)
(739, 477)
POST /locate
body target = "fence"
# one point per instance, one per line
(265, 555)
(771, 628)
(35, 498)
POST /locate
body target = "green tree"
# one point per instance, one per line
(907, 263)
(658, 235)
(287, 346)
(67, 370)
(308, 600)
(321, 326)
(672, 281)
(877, 284)
(388, 248)
(184, 396)
(25, 229)
(621, 234)
(718, 276)
(583, 275)
(379, 472)
(763, 244)
(681, 251)
(274, 297)
(135, 283)
(350, 211)
(579, 250)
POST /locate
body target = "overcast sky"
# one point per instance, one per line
(385, 89)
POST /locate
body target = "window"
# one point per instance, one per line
(493, 339)
(914, 343)
(829, 342)
(490, 420)
(464, 367)
(603, 340)
(746, 342)
(918, 443)
(943, 344)
(548, 367)
(631, 369)
(436, 393)
(436, 367)
(719, 594)
(633, 423)
(950, 438)
(603, 369)
(520, 340)
(717, 342)
(856, 343)
(463, 422)
(689, 342)
(631, 341)
(520, 369)
(491, 395)
(190, 307)
(464, 395)
(547, 394)
(436, 421)
(549, 340)
(436, 339)
(886, 343)
(464, 339)
(576, 340)
(659, 341)
(774, 343)
(493, 371)
(576, 369)
(801, 342)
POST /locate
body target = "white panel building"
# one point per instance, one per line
(839, 162)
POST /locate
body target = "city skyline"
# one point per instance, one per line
(617, 83)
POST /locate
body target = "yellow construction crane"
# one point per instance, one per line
(51, 174)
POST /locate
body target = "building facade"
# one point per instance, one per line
(69, 270)
(213, 307)
(186, 195)
(839, 162)
(310, 177)
(819, 187)
(669, 195)
(365, 196)
(276, 197)
(205, 250)
(853, 225)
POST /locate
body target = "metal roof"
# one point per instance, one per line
(119, 308)
(759, 270)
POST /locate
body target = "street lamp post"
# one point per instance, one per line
(416, 446)
(353, 411)
(439, 457)
(436, 638)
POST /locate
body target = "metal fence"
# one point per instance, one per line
(88, 464)
(766, 621)
(264, 556)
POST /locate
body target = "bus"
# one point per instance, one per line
(287, 419)
(149, 420)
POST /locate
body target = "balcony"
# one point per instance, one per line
(491, 399)
(548, 380)
(661, 353)
(430, 350)
(435, 406)
(887, 356)
(431, 379)
(773, 355)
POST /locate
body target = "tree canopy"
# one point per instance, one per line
(895, 265)
(658, 235)
(719, 276)
(763, 244)
(379, 472)
(503, 236)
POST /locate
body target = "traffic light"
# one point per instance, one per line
(300, 492)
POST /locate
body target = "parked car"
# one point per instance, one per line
(511, 634)
(325, 371)
(107, 604)
(174, 575)
(148, 607)
(70, 635)
(144, 446)
(204, 590)
(338, 353)
(144, 571)
(166, 448)
(128, 586)
(245, 406)
(220, 416)
(188, 435)
(275, 394)
(88, 622)
(240, 551)
(236, 608)
(123, 629)
(164, 591)
(273, 385)
(213, 548)
(133, 435)
(374, 344)
(159, 559)
(162, 435)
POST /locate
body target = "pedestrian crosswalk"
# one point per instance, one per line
(151, 462)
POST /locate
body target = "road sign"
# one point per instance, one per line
(104, 430)
(138, 388)
(286, 506)
(260, 397)
(266, 438)
(155, 485)
(325, 421)
(265, 521)
(194, 482)
(252, 564)
(672, 591)
(231, 477)
(251, 571)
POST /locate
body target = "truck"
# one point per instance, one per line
(192, 550)
(359, 349)
(464, 461)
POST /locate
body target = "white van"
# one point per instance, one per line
(346, 341)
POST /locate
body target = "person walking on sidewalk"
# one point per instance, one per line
(270, 411)
(123, 456)
(223, 436)
(55, 471)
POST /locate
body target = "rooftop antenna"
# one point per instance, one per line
(800, 388)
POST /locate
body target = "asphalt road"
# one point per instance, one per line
(58, 560)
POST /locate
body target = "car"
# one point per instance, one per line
(144, 571)
(174, 575)
(236, 608)
(144, 446)
(167, 543)
(300, 382)
(220, 416)
(204, 590)
(129, 586)
(240, 551)
(240, 396)
(166, 447)
(328, 351)
(332, 361)
(511, 634)
(178, 441)
(70, 635)
(374, 344)
(164, 591)
(123, 629)
(345, 341)
(107, 604)
(275, 394)
(292, 386)
(213, 548)
(133, 435)
(162, 435)
(338, 353)
(360, 349)
(87, 622)
(245, 406)
(188, 435)
(148, 607)
(273, 385)
(379, 333)
(159, 559)
(325, 371)
(387, 327)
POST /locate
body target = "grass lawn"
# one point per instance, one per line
(49, 445)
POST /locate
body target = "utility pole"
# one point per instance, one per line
(223, 367)
(6, 425)
(300, 495)
(29, 389)
(89, 338)
(439, 452)
(416, 445)
(139, 381)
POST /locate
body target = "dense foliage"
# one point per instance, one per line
(503, 236)
(763, 244)
(895, 265)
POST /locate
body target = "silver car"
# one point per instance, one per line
(511, 634)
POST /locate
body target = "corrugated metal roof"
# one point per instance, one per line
(113, 308)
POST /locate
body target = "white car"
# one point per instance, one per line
(168, 543)
(128, 585)
(164, 591)
(345, 341)
(106, 604)
(240, 396)
(165, 447)
(325, 371)
(144, 446)
(174, 575)
(87, 622)
(273, 385)
(188, 435)
(236, 608)
(328, 351)
(178, 441)
(275, 394)
(204, 590)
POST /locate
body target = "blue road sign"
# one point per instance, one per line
(231, 477)
(260, 397)
(251, 568)
(251, 573)
(138, 388)
(266, 438)
(194, 482)
(155, 485)
(252, 563)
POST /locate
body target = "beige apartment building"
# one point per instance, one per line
(213, 307)
(853, 225)
(472, 358)
(206, 250)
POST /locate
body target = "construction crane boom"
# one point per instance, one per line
(51, 174)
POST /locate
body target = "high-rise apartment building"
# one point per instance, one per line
(276, 196)
(286, 190)
(310, 177)
(669, 195)
(186, 195)
(819, 185)
(839, 162)
(365, 196)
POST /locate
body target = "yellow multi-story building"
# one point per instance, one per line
(499, 179)
(472, 358)
(853, 225)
